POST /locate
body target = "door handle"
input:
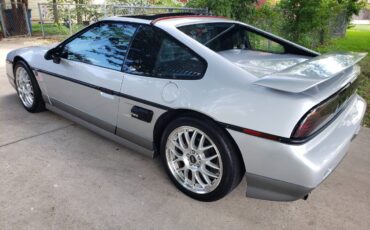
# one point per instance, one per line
(109, 96)
(107, 91)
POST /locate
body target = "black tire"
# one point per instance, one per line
(233, 169)
(38, 104)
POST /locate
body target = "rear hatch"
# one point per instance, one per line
(328, 78)
(320, 76)
(315, 71)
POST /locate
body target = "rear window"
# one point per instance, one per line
(227, 36)
(204, 32)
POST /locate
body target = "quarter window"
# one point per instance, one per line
(104, 45)
(154, 53)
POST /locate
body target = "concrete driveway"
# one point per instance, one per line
(57, 175)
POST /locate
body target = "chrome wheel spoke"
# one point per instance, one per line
(210, 158)
(206, 148)
(192, 140)
(201, 142)
(186, 174)
(212, 165)
(199, 180)
(192, 180)
(175, 144)
(177, 160)
(181, 142)
(208, 173)
(182, 169)
(174, 151)
(187, 138)
(206, 178)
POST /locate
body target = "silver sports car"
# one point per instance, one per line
(216, 99)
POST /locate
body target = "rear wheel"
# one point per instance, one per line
(27, 88)
(200, 159)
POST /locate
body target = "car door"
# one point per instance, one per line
(89, 73)
(154, 69)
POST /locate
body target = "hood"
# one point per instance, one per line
(26, 51)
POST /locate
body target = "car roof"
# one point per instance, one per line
(174, 19)
(157, 16)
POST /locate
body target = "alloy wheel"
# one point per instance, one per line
(24, 87)
(194, 159)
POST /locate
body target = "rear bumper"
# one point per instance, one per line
(284, 172)
(265, 188)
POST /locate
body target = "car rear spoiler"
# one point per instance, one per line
(312, 72)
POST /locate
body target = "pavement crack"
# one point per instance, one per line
(37, 135)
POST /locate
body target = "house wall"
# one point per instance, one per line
(32, 5)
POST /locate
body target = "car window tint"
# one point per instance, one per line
(143, 52)
(104, 45)
(154, 53)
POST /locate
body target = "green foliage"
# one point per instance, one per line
(352, 6)
(309, 23)
(128, 2)
(168, 3)
(305, 20)
(267, 17)
(237, 9)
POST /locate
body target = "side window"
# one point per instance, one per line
(154, 53)
(104, 45)
(258, 42)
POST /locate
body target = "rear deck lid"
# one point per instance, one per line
(312, 72)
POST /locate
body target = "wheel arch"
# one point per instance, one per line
(19, 58)
(173, 114)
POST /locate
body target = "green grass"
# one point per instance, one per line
(54, 30)
(357, 39)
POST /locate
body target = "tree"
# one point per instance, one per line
(55, 12)
(309, 22)
(236, 9)
(352, 7)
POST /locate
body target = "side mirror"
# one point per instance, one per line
(53, 54)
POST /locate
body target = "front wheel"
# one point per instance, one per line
(27, 88)
(200, 159)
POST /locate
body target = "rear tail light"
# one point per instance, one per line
(313, 121)
(323, 113)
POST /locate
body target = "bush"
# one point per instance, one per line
(236, 9)
(266, 17)
(315, 22)
(309, 23)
